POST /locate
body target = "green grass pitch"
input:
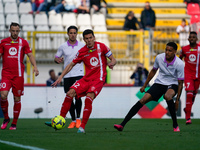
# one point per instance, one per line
(139, 134)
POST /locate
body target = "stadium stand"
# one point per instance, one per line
(193, 9)
(24, 8)
(10, 8)
(1, 8)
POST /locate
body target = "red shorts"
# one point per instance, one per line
(191, 84)
(83, 87)
(16, 83)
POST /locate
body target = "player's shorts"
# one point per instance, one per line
(191, 84)
(68, 82)
(158, 90)
(82, 87)
(16, 83)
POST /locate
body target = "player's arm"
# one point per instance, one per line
(67, 69)
(149, 77)
(112, 62)
(180, 87)
(58, 60)
(33, 62)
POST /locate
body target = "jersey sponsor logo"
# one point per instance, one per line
(14, 42)
(91, 50)
(94, 61)
(192, 57)
(193, 49)
(12, 51)
(2, 85)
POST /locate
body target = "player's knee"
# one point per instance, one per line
(71, 93)
(91, 95)
(167, 97)
(3, 95)
(17, 99)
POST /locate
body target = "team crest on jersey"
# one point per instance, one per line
(2, 85)
(192, 57)
(94, 61)
(12, 51)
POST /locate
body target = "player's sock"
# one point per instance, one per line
(188, 105)
(16, 111)
(132, 112)
(4, 107)
(87, 111)
(171, 107)
(78, 106)
(66, 106)
(72, 111)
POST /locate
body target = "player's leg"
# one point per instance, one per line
(16, 112)
(18, 91)
(133, 111)
(67, 102)
(68, 82)
(169, 99)
(4, 107)
(154, 93)
(190, 84)
(78, 106)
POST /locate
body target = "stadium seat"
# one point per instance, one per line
(12, 18)
(81, 29)
(26, 19)
(41, 19)
(43, 41)
(69, 19)
(194, 19)
(1, 8)
(26, 28)
(100, 28)
(193, 9)
(2, 31)
(83, 20)
(98, 19)
(55, 19)
(57, 39)
(2, 22)
(24, 7)
(10, 8)
(5, 1)
(101, 37)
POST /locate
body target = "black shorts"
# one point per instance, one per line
(68, 82)
(158, 90)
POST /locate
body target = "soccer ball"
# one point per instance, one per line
(58, 122)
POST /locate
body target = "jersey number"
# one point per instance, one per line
(188, 84)
(76, 85)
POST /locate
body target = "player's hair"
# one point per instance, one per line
(50, 71)
(172, 44)
(14, 24)
(193, 32)
(88, 31)
(72, 27)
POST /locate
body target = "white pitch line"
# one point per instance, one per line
(20, 145)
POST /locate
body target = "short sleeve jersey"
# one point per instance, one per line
(191, 58)
(69, 51)
(95, 61)
(13, 55)
(169, 73)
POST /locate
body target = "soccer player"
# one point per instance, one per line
(94, 55)
(169, 82)
(190, 53)
(69, 50)
(12, 51)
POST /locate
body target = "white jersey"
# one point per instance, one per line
(183, 36)
(169, 73)
(69, 51)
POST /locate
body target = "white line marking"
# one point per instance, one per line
(20, 145)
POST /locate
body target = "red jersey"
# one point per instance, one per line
(95, 61)
(13, 55)
(192, 60)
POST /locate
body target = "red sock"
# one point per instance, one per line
(16, 111)
(66, 106)
(188, 105)
(87, 111)
(193, 99)
(4, 107)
